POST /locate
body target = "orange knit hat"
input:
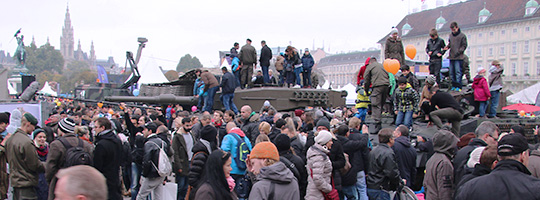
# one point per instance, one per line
(265, 150)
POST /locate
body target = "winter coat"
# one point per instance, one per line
(198, 87)
(360, 75)
(444, 100)
(228, 83)
(405, 158)
(481, 89)
(462, 156)
(375, 75)
(319, 168)
(206, 192)
(296, 145)
(209, 80)
(495, 78)
(534, 163)
(107, 157)
(250, 127)
(351, 148)
(151, 156)
(438, 180)
(200, 155)
(394, 50)
(383, 172)
(509, 180)
(307, 62)
(360, 159)
(235, 64)
(479, 170)
(435, 46)
(266, 55)
(24, 164)
(279, 62)
(15, 121)
(338, 162)
(285, 184)
(300, 166)
(230, 144)
(406, 100)
(4, 178)
(57, 153)
(458, 44)
(411, 79)
(180, 156)
(248, 54)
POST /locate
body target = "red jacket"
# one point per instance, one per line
(361, 72)
(481, 89)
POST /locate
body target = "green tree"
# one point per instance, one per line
(187, 63)
(44, 58)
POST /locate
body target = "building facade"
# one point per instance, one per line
(67, 46)
(342, 69)
(508, 31)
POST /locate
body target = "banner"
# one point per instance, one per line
(102, 74)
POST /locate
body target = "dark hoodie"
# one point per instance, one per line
(285, 184)
(405, 158)
(462, 156)
(107, 157)
(200, 155)
(438, 181)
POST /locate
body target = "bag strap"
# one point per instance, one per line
(237, 137)
(66, 143)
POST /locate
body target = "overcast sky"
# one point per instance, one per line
(202, 27)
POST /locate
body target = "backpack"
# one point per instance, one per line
(75, 155)
(164, 167)
(291, 167)
(241, 153)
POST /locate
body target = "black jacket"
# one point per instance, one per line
(307, 62)
(351, 148)
(338, 162)
(151, 156)
(266, 55)
(300, 165)
(479, 170)
(435, 46)
(444, 100)
(462, 156)
(228, 83)
(107, 157)
(406, 159)
(200, 155)
(383, 171)
(509, 180)
(250, 127)
(297, 146)
(136, 142)
(360, 160)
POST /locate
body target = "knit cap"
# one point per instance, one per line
(394, 30)
(67, 125)
(431, 79)
(323, 137)
(264, 150)
(209, 133)
(323, 122)
(282, 142)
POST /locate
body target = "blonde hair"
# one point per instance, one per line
(81, 131)
(268, 161)
(262, 138)
(264, 127)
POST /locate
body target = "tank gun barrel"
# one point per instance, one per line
(161, 99)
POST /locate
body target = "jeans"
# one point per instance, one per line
(237, 75)
(281, 76)
(362, 112)
(297, 72)
(455, 73)
(482, 108)
(266, 77)
(135, 177)
(182, 183)
(228, 103)
(404, 118)
(349, 193)
(374, 194)
(494, 103)
(150, 185)
(361, 185)
(306, 76)
(209, 99)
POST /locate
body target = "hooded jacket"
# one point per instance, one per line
(438, 180)
(300, 166)
(200, 155)
(107, 157)
(24, 164)
(285, 184)
(230, 144)
(509, 180)
(319, 169)
(361, 72)
(534, 163)
(406, 99)
(435, 46)
(250, 126)
(394, 49)
(458, 44)
(405, 158)
(463, 155)
(14, 121)
(495, 78)
(481, 89)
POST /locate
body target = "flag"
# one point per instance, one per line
(102, 74)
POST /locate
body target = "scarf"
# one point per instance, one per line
(42, 150)
(231, 183)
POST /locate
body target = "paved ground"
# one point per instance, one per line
(170, 192)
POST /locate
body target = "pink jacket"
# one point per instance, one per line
(481, 89)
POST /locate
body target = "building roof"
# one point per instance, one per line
(347, 58)
(466, 15)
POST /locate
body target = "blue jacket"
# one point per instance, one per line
(307, 62)
(229, 144)
(235, 64)
(198, 88)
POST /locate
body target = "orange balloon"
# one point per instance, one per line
(392, 66)
(410, 50)
(522, 113)
(100, 104)
(386, 62)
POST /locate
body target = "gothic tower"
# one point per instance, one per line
(67, 42)
(92, 55)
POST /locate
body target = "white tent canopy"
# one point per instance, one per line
(351, 93)
(527, 95)
(150, 72)
(47, 90)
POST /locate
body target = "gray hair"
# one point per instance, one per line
(486, 127)
(84, 180)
